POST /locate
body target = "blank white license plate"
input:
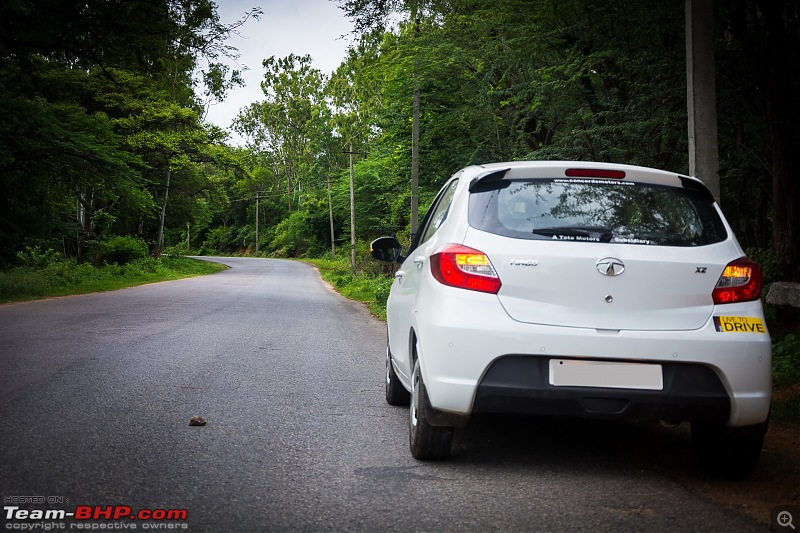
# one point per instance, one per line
(572, 373)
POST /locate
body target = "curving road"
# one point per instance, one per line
(96, 393)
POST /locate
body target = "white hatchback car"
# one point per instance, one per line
(579, 289)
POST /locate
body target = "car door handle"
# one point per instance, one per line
(419, 261)
(399, 275)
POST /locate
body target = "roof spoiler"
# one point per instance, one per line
(487, 180)
(697, 186)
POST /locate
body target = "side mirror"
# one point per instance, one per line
(386, 249)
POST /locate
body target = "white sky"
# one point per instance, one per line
(314, 27)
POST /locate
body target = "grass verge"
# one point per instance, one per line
(62, 278)
(370, 287)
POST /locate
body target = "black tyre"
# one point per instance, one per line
(730, 453)
(396, 393)
(427, 443)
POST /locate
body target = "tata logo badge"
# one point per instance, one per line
(610, 266)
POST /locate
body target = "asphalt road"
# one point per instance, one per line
(96, 393)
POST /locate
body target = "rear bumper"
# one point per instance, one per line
(520, 384)
(467, 346)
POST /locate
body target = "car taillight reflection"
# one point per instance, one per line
(739, 282)
(460, 266)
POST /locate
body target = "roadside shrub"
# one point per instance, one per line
(293, 237)
(36, 257)
(148, 264)
(219, 241)
(766, 258)
(120, 250)
(786, 360)
(179, 250)
(382, 288)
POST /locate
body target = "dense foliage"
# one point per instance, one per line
(101, 107)
(100, 118)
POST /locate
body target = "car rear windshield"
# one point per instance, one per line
(596, 210)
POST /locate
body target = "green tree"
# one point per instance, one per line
(578, 79)
(74, 78)
(760, 85)
(284, 123)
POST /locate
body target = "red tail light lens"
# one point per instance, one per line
(594, 173)
(464, 267)
(739, 282)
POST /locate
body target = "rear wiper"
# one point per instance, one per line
(598, 233)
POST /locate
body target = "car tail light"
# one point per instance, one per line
(464, 267)
(595, 173)
(739, 282)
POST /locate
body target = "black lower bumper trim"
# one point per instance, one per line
(520, 384)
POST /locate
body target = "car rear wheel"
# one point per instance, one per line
(730, 453)
(396, 394)
(427, 442)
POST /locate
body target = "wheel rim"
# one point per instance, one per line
(388, 366)
(414, 397)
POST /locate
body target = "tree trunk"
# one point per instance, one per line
(781, 116)
(163, 215)
(765, 30)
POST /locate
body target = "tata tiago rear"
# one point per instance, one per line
(587, 290)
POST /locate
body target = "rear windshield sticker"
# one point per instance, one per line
(739, 324)
(594, 181)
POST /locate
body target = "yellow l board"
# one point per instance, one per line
(739, 324)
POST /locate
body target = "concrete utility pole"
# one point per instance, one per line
(257, 199)
(330, 217)
(701, 93)
(415, 160)
(415, 139)
(352, 214)
(352, 209)
(259, 196)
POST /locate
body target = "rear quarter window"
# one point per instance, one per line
(596, 210)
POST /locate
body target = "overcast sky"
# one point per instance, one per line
(313, 27)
